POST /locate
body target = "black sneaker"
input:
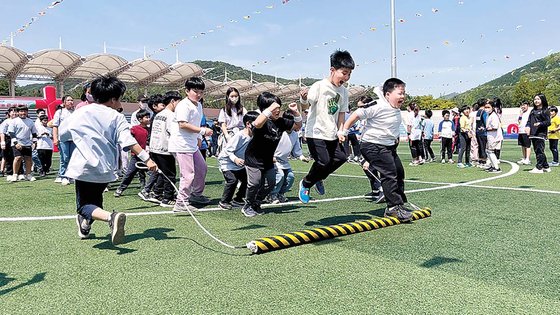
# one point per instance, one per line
(380, 198)
(398, 212)
(237, 203)
(372, 194)
(167, 203)
(154, 198)
(258, 209)
(144, 195)
(116, 224)
(83, 227)
(117, 193)
(494, 170)
(248, 211)
(224, 205)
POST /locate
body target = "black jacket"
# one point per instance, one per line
(541, 116)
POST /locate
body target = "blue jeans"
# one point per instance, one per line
(284, 181)
(36, 160)
(65, 149)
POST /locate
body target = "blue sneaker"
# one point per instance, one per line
(320, 187)
(303, 193)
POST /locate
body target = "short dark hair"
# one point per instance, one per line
(22, 108)
(428, 113)
(40, 110)
(265, 99)
(195, 83)
(142, 113)
(465, 107)
(43, 117)
(445, 112)
(154, 100)
(103, 89)
(392, 84)
(170, 96)
(250, 117)
(342, 59)
(553, 109)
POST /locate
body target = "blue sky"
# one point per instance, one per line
(443, 46)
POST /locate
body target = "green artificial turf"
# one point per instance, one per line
(484, 251)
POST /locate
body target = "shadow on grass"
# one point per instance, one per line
(230, 252)
(158, 234)
(215, 182)
(437, 261)
(4, 280)
(337, 220)
(526, 186)
(149, 206)
(282, 209)
(374, 212)
(327, 241)
(250, 227)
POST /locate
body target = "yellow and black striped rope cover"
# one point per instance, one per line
(281, 241)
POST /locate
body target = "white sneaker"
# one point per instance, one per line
(443, 161)
(527, 162)
(536, 171)
(58, 180)
(11, 178)
(547, 170)
(21, 177)
(461, 165)
(450, 161)
(521, 162)
(30, 178)
(65, 181)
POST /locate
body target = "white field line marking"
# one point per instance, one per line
(514, 169)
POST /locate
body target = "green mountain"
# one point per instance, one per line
(539, 76)
(219, 69)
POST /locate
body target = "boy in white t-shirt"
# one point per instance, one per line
(328, 104)
(184, 144)
(98, 130)
(380, 140)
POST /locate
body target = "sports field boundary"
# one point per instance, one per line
(514, 170)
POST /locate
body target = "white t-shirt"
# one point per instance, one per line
(493, 122)
(382, 123)
(161, 131)
(417, 128)
(288, 145)
(22, 131)
(5, 125)
(96, 130)
(181, 140)
(44, 137)
(325, 102)
(523, 122)
(233, 121)
(60, 115)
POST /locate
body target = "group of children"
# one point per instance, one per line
(254, 158)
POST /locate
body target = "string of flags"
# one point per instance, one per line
(32, 20)
(218, 27)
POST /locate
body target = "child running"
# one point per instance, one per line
(328, 103)
(96, 130)
(380, 140)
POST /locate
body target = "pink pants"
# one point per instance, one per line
(192, 167)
